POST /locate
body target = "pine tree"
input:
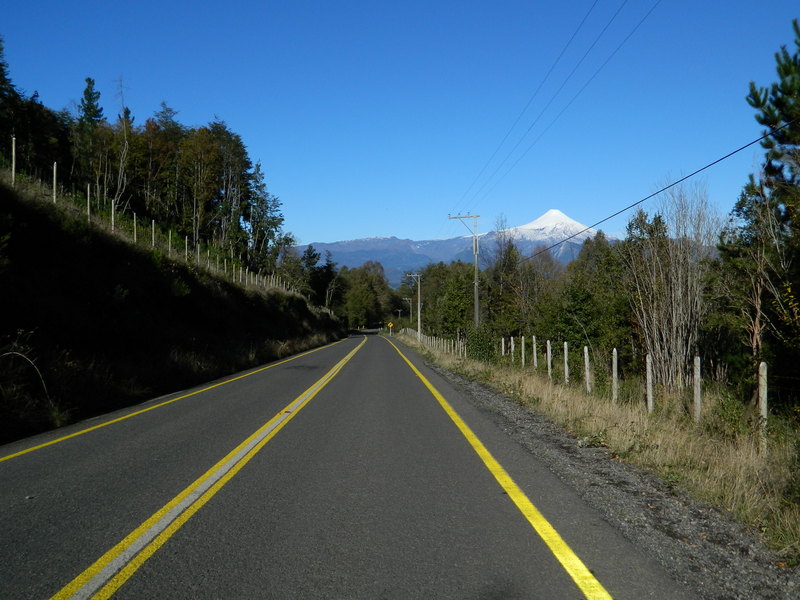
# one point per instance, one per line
(9, 103)
(90, 116)
(779, 107)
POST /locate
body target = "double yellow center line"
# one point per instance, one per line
(116, 566)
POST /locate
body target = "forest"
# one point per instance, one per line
(684, 281)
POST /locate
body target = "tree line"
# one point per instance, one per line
(683, 281)
(198, 181)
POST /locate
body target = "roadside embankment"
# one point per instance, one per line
(89, 323)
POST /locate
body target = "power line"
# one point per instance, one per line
(550, 102)
(663, 189)
(563, 110)
(530, 100)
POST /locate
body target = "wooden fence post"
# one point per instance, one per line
(587, 375)
(649, 375)
(614, 377)
(697, 397)
(762, 405)
(13, 160)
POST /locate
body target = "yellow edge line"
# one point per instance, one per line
(149, 408)
(573, 565)
(124, 574)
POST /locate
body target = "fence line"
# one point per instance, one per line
(459, 347)
(35, 190)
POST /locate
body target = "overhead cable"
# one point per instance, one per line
(530, 100)
(563, 110)
(663, 189)
(550, 102)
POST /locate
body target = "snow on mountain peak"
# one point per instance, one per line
(553, 223)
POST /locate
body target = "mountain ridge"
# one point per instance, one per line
(401, 255)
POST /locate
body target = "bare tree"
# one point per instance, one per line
(755, 264)
(668, 260)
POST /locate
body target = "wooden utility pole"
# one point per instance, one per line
(418, 277)
(474, 232)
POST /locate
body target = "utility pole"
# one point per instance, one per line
(410, 309)
(418, 277)
(474, 232)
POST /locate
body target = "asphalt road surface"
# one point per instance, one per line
(351, 471)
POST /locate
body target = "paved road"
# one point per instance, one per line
(346, 472)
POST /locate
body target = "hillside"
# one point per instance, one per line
(107, 324)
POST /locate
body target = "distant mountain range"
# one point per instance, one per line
(401, 256)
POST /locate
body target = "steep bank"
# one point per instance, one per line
(89, 323)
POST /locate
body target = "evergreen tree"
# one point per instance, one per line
(778, 106)
(9, 103)
(86, 140)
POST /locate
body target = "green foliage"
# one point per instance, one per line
(729, 418)
(107, 324)
(447, 292)
(367, 300)
(481, 344)
(199, 182)
(594, 308)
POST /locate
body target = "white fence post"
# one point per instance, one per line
(135, 237)
(512, 349)
(153, 234)
(697, 397)
(649, 374)
(614, 377)
(502, 346)
(13, 160)
(566, 362)
(55, 168)
(88, 204)
(535, 355)
(549, 361)
(522, 357)
(587, 375)
(762, 405)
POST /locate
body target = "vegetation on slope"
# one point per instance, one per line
(89, 323)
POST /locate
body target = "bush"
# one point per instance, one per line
(481, 344)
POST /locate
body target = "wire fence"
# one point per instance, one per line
(143, 233)
(558, 363)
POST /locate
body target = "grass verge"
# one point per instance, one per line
(716, 461)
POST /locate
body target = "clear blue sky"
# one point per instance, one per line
(374, 118)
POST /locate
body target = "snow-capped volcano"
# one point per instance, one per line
(400, 256)
(552, 224)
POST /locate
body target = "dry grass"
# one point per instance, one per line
(716, 461)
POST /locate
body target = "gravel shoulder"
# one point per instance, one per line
(699, 545)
